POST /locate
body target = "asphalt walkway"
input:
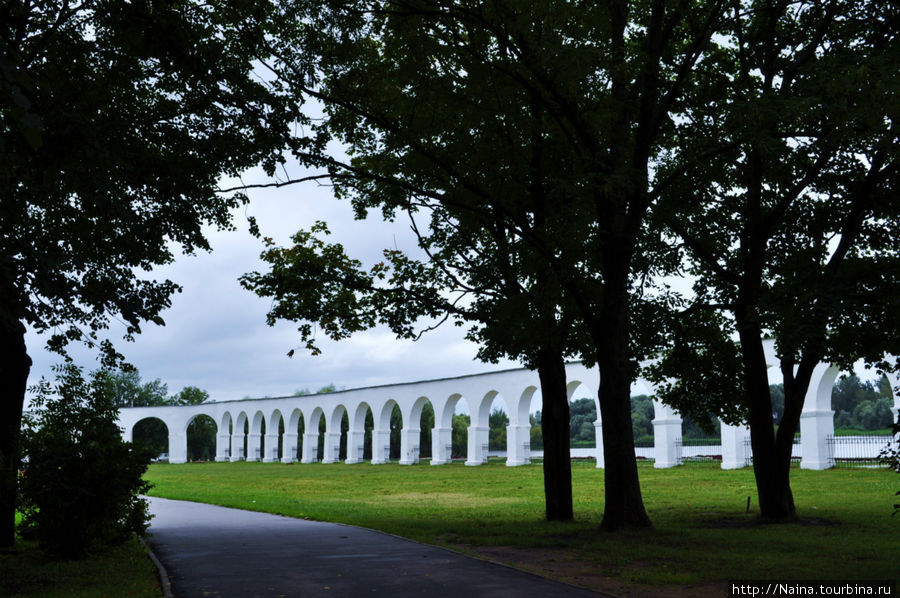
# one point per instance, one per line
(218, 552)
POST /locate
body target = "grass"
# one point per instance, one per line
(702, 535)
(123, 571)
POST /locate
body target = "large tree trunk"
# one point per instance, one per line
(14, 367)
(555, 429)
(624, 506)
(771, 466)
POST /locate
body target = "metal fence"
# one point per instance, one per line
(858, 451)
(698, 450)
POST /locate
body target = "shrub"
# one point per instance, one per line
(82, 482)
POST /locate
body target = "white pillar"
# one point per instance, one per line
(409, 446)
(815, 428)
(518, 445)
(355, 446)
(666, 435)
(237, 447)
(223, 447)
(441, 445)
(598, 439)
(478, 445)
(177, 448)
(381, 446)
(288, 447)
(310, 448)
(254, 448)
(332, 448)
(734, 446)
(271, 448)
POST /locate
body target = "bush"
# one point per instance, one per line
(81, 484)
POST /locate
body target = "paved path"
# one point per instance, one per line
(214, 551)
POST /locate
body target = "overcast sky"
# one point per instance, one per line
(216, 336)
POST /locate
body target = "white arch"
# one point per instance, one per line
(518, 433)
(575, 382)
(254, 440)
(356, 435)
(311, 435)
(516, 387)
(332, 448)
(273, 423)
(238, 437)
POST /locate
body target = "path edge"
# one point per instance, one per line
(163, 574)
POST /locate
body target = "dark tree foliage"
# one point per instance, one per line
(82, 483)
(793, 216)
(426, 427)
(582, 415)
(497, 422)
(459, 435)
(521, 134)
(116, 121)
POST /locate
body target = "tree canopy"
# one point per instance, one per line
(522, 134)
(117, 121)
(563, 158)
(793, 220)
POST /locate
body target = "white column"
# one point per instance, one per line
(666, 433)
(237, 447)
(478, 445)
(288, 447)
(177, 448)
(441, 445)
(598, 439)
(355, 446)
(409, 446)
(518, 445)
(223, 447)
(271, 448)
(254, 448)
(815, 427)
(332, 447)
(734, 446)
(381, 446)
(310, 448)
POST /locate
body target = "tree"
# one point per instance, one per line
(642, 419)
(583, 414)
(117, 121)
(189, 395)
(793, 216)
(82, 484)
(128, 390)
(459, 435)
(426, 425)
(536, 436)
(396, 427)
(497, 422)
(524, 132)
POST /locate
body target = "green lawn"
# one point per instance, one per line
(703, 535)
(123, 571)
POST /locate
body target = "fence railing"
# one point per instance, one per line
(857, 451)
(696, 450)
